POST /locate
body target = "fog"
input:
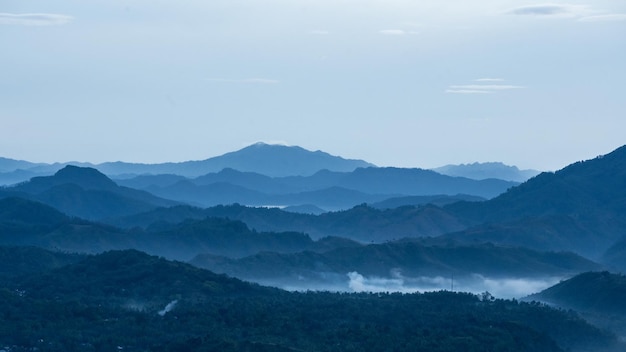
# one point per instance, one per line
(499, 287)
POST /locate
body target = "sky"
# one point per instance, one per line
(394, 82)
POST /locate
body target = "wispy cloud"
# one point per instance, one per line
(604, 18)
(244, 81)
(481, 88)
(34, 19)
(550, 10)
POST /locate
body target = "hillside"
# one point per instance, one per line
(588, 199)
(601, 292)
(361, 223)
(85, 193)
(325, 189)
(597, 296)
(405, 260)
(131, 301)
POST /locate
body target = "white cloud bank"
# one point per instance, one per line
(34, 19)
(498, 287)
(482, 88)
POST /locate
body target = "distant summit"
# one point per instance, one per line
(267, 159)
(483, 171)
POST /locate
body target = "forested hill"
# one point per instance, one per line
(602, 292)
(126, 300)
(579, 208)
(86, 193)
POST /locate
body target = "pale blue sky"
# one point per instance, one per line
(395, 82)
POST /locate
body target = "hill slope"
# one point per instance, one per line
(586, 198)
(86, 193)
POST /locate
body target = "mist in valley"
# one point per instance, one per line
(498, 287)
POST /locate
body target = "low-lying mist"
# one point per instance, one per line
(500, 287)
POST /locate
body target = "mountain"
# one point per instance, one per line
(615, 256)
(261, 158)
(266, 159)
(597, 296)
(86, 193)
(360, 223)
(579, 208)
(483, 171)
(438, 200)
(591, 291)
(328, 190)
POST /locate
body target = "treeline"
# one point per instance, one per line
(116, 301)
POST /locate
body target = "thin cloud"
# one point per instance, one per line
(244, 81)
(34, 19)
(482, 88)
(604, 18)
(549, 10)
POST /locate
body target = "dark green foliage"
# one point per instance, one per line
(94, 305)
(592, 291)
(19, 261)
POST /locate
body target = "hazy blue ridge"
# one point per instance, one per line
(483, 171)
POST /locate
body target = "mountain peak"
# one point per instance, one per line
(86, 177)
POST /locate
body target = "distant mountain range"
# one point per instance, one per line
(266, 159)
(259, 158)
(483, 171)
(325, 189)
(579, 208)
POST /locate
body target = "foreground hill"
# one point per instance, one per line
(86, 193)
(601, 292)
(598, 296)
(128, 300)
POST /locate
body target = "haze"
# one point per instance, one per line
(396, 83)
